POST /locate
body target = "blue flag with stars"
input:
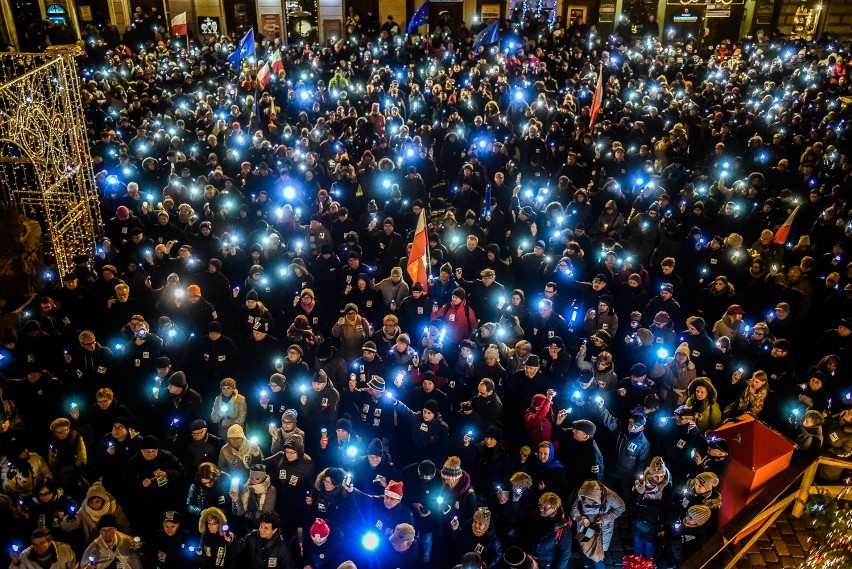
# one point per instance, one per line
(487, 36)
(244, 50)
(420, 17)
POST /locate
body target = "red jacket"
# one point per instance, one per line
(459, 322)
(538, 424)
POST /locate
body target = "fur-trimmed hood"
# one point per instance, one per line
(707, 384)
(210, 513)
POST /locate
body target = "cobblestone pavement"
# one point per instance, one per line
(782, 546)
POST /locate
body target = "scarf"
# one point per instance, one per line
(653, 491)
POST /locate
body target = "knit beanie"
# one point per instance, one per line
(699, 514)
(452, 468)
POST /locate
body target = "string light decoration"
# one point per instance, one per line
(45, 164)
(831, 524)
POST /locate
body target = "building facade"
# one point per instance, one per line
(714, 20)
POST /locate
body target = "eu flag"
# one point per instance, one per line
(245, 49)
(420, 17)
(487, 36)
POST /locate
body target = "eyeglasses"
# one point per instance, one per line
(45, 493)
(87, 343)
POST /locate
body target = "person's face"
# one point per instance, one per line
(479, 528)
(45, 495)
(701, 393)
(62, 432)
(544, 453)
(700, 487)
(108, 534)
(455, 301)
(288, 426)
(546, 511)
(580, 436)
(95, 503)
(428, 415)
(266, 531)
(104, 403)
(391, 503)
(482, 390)
(122, 294)
(374, 460)
(545, 311)
(490, 442)
(170, 528)
(815, 384)
(777, 353)
(212, 525)
(667, 270)
(41, 545)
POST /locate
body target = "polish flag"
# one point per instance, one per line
(263, 75)
(597, 100)
(784, 231)
(179, 25)
(275, 62)
(418, 260)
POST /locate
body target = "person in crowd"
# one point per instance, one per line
(667, 295)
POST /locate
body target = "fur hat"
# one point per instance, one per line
(585, 426)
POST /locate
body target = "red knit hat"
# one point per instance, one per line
(320, 529)
(394, 490)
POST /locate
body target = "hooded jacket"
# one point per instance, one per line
(708, 415)
(677, 377)
(216, 553)
(605, 513)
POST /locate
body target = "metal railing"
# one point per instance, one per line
(757, 516)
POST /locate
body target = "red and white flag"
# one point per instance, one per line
(179, 25)
(784, 231)
(418, 259)
(263, 75)
(275, 62)
(597, 100)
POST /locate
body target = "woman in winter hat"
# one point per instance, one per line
(652, 493)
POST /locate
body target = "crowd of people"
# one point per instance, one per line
(243, 372)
